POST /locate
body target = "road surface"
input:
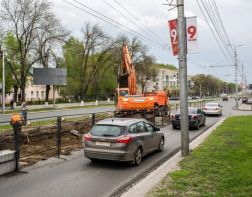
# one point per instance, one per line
(79, 177)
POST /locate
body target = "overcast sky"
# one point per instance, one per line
(236, 16)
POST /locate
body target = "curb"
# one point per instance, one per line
(150, 181)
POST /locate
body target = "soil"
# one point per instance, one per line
(40, 142)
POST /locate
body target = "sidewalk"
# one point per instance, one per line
(61, 105)
(245, 107)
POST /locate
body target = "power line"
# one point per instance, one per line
(216, 23)
(115, 23)
(131, 21)
(215, 37)
(139, 21)
(219, 16)
(207, 9)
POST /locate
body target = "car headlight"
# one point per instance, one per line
(151, 99)
(125, 99)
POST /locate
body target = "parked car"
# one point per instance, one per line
(225, 98)
(244, 99)
(196, 118)
(122, 139)
(213, 109)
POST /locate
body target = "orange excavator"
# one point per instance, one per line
(126, 95)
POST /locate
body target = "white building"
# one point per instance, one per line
(35, 92)
(167, 79)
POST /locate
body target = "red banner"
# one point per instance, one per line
(174, 36)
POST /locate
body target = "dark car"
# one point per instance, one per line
(225, 98)
(196, 118)
(244, 99)
(122, 139)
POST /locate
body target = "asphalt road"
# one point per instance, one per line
(79, 177)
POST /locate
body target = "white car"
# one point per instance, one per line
(213, 109)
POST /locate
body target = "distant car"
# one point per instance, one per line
(249, 100)
(196, 118)
(244, 99)
(225, 98)
(213, 109)
(195, 97)
(122, 139)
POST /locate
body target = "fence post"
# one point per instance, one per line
(17, 130)
(144, 113)
(58, 136)
(93, 119)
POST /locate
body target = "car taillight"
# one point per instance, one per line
(124, 140)
(87, 137)
(194, 117)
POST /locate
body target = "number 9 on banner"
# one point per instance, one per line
(174, 36)
(192, 30)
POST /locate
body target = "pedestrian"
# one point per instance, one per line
(12, 103)
(24, 112)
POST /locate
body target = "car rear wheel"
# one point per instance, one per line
(161, 145)
(197, 126)
(138, 157)
(204, 122)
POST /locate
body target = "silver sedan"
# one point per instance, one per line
(122, 139)
(213, 109)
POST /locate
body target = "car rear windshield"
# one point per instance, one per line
(212, 105)
(107, 130)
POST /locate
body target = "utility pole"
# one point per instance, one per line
(242, 81)
(183, 79)
(3, 82)
(236, 81)
(236, 77)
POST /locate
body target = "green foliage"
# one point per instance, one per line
(221, 166)
(166, 66)
(210, 85)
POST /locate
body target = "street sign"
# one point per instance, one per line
(174, 36)
(192, 35)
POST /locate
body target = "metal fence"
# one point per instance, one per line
(59, 135)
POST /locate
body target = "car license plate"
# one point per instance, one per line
(102, 143)
(139, 100)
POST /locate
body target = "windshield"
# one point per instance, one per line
(123, 92)
(107, 130)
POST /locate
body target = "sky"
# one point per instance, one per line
(152, 18)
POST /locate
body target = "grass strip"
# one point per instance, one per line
(220, 166)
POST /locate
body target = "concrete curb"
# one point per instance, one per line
(147, 184)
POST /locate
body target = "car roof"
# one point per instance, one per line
(119, 121)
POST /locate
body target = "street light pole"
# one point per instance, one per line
(183, 79)
(3, 83)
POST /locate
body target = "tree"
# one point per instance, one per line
(146, 71)
(89, 59)
(12, 64)
(49, 37)
(24, 18)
